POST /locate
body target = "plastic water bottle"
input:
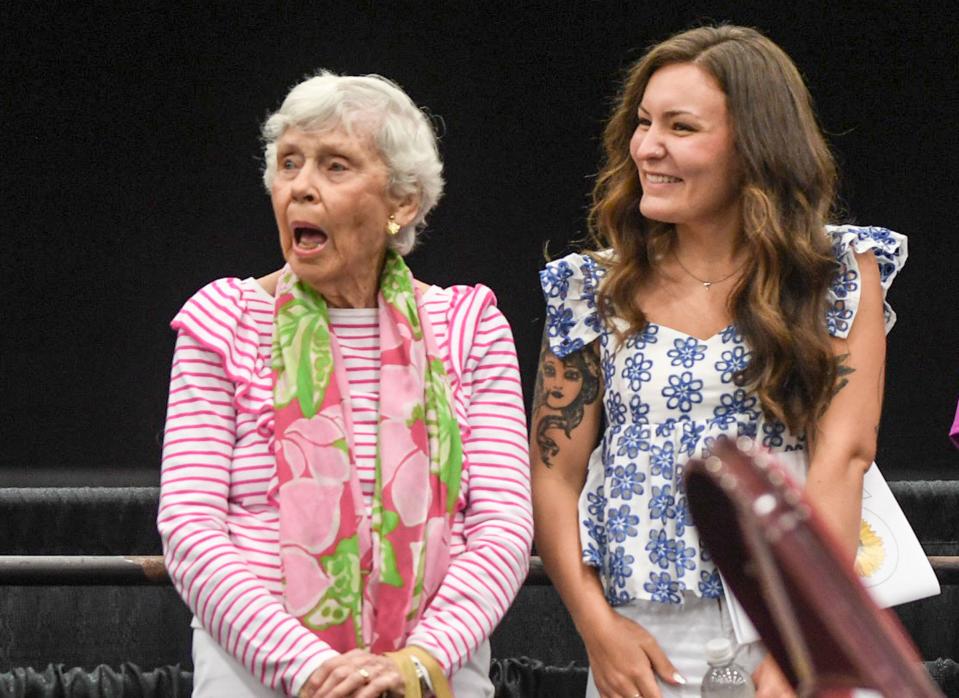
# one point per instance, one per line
(725, 678)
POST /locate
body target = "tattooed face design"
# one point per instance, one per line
(563, 389)
(562, 383)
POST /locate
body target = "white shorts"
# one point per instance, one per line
(682, 631)
(216, 674)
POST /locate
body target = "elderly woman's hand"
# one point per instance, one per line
(357, 674)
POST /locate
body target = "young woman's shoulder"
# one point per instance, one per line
(890, 250)
(569, 287)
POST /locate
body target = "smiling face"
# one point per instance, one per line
(684, 150)
(331, 202)
(562, 383)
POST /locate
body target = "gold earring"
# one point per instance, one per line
(392, 227)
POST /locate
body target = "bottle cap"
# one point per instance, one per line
(719, 651)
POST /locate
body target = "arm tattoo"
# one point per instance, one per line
(842, 370)
(564, 386)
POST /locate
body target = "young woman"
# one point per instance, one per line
(716, 300)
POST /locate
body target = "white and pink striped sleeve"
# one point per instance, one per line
(209, 573)
(483, 580)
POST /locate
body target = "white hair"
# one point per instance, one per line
(402, 133)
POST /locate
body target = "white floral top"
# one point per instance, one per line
(668, 395)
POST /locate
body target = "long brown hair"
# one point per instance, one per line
(788, 192)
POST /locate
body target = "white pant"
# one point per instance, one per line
(682, 631)
(216, 674)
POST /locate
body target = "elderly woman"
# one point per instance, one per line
(345, 492)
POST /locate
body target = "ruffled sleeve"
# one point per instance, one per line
(220, 318)
(890, 250)
(569, 286)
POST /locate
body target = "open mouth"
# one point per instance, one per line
(308, 238)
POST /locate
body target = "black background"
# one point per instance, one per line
(131, 177)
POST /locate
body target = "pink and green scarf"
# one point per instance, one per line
(358, 580)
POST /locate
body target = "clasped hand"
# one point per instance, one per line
(355, 674)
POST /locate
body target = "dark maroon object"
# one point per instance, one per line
(787, 571)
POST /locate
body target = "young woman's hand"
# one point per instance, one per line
(625, 659)
(770, 681)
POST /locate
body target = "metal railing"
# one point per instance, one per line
(136, 570)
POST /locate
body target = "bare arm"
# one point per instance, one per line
(844, 444)
(622, 655)
(558, 461)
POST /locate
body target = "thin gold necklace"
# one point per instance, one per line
(707, 284)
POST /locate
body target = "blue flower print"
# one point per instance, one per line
(737, 404)
(638, 410)
(662, 460)
(592, 556)
(596, 503)
(621, 523)
(591, 275)
(686, 352)
(556, 278)
(633, 440)
(662, 551)
(608, 364)
(683, 391)
(837, 318)
(683, 519)
(619, 567)
(691, 433)
(746, 429)
(685, 557)
(773, 434)
(845, 282)
(666, 428)
(618, 598)
(567, 346)
(637, 370)
(559, 320)
(710, 585)
(886, 269)
(678, 479)
(595, 551)
(707, 445)
(594, 321)
(609, 459)
(639, 340)
(626, 481)
(597, 532)
(731, 335)
(615, 409)
(662, 588)
(880, 235)
(732, 362)
(662, 504)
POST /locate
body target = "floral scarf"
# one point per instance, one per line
(358, 580)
